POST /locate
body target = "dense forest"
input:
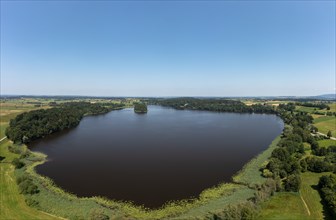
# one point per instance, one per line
(32, 125)
(218, 105)
(140, 107)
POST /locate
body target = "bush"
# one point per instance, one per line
(318, 165)
(31, 202)
(28, 187)
(292, 183)
(14, 149)
(18, 163)
(246, 210)
(267, 173)
(98, 214)
(22, 178)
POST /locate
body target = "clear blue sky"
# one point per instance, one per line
(179, 48)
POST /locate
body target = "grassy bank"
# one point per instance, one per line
(284, 205)
(250, 174)
(12, 203)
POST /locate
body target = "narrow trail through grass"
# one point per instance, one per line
(304, 202)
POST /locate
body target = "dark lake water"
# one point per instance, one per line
(152, 158)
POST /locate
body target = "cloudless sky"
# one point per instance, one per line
(162, 48)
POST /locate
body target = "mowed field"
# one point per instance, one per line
(325, 124)
(327, 143)
(284, 205)
(307, 204)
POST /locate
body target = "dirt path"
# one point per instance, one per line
(304, 202)
(319, 133)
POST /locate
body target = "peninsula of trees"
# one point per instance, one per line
(33, 125)
(140, 107)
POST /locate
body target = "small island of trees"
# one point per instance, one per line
(140, 107)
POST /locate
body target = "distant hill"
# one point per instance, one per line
(327, 96)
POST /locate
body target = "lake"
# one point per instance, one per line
(152, 158)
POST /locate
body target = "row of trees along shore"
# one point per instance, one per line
(36, 124)
(218, 105)
(281, 171)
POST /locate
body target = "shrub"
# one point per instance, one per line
(28, 187)
(98, 214)
(18, 163)
(267, 173)
(22, 178)
(31, 202)
(292, 183)
(246, 210)
(318, 165)
(14, 149)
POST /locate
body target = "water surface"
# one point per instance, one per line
(152, 158)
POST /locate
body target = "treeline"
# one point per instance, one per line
(32, 125)
(314, 105)
(327, 185)
(218, 105)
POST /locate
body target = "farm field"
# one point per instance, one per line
(326, 143)
(325, 124)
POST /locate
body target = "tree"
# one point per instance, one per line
(329, 134)
(281, 154)
(292, 183)
(18, 163)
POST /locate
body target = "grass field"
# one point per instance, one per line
(311, 195)
(325, 124)
(284, 205)
(12, 204)
(313, 109)
(327, 143)
(250, 174)
(306, 109)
